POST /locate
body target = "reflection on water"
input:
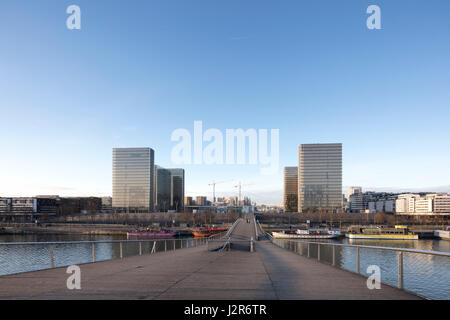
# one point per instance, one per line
(24, 258)
(426, 275)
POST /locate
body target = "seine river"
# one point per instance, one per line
(426, 275)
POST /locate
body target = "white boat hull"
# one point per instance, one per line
(280, 235)
(442, 234)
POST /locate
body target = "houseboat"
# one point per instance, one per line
(379, 233)
(307, 234)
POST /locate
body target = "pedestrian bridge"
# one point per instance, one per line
(243, 269)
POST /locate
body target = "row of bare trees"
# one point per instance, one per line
(208, 217)
(164, 219)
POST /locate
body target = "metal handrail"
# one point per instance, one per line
(231, 240)
(256, 229)
(189, 243)
(225, 245)
(85, 241)
(400, 251)
(232, 227)
(435, 253)
(261, 228)
(162, 243)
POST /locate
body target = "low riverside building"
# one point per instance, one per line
(26, 209)
(429, 204)
(106, 204)
(356, 203)
(77, 205)
(30, 209)
(370, 201)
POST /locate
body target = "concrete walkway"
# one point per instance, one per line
(268, 273)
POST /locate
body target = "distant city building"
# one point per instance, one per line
(345, 203)
(428, 204)
(133, 179)
(30, 209)
(356, 202)
(26, 209)
(404, 204)
(423, 205)
(290, 203)
(353, 190)
(76, 205)
(188, 201)
(441, 204)
(389, 206)
(232, 201)
(106, 204)
(200, 201)
(370, 201)
(320, 177)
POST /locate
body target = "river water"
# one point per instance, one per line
(426, 275)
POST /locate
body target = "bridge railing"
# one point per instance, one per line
(230, 231)
(226, 244)
(404, 268)
(18, 257)
(256, 229)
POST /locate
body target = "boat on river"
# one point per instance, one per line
(207, 232)
(307, 234)
(442, 234)
(151, 235)
(378, 233)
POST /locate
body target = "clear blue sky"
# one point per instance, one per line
(137, 70)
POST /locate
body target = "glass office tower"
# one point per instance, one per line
(290, 201)
(133, 179)
(320, 177)
(163, 188)
(177, 189)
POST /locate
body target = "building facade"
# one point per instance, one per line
(177, 189)
(320, 177)
(290, 198)
(27, 209)
(133, 179)
(188, 201)
(163, 187)
(428, 204)
(353, 190)
(200, 201)
(442, 204)
(356, 202)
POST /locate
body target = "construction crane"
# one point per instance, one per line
(240, 189)
(214, 187)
